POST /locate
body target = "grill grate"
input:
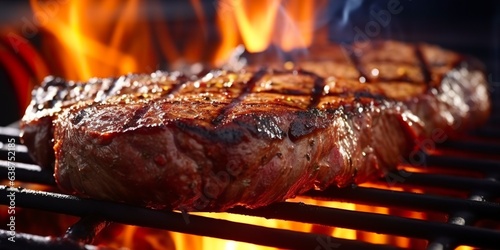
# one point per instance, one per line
(460, 228)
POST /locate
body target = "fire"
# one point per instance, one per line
(85, 39)
(82, 47)
(195, 242)
(287, 24)
(184, 241)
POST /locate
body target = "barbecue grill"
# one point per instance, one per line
(458, 183)
(477, 201)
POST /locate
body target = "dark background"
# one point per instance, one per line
(471, 27)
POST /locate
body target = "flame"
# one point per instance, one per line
(370, 237)
(297, 25)
(119, 236)
(255, 22)
(287, 24)
(83, 47)
(184, 241)
(197, 242)
(85, 39)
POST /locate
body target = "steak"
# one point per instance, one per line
(257, 135)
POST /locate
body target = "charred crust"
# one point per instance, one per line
(353, 56)
(306, 122)
(261, 126)
(79, 116)
(247, 89)
(267, 127)
(360, 95)
(48, 99)
(258, 126)
(53, 81)
(107, 91)
(138, 114)
(183, 80)
(318, 85)
(230, 135)
(424, 66)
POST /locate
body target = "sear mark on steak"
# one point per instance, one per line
(138, 114)
(247, 89)
(255, 136)
(307, 122)
(79, 117)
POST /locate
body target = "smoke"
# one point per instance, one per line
(350, 7)
(358, 20)
(341, 15)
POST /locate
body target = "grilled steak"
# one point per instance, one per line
(258, 136)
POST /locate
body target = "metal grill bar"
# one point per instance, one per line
(465, 216)
(287, 211)
(452, 182)
(413, 201)
(461, 217)
(486, 166)
(28, 173)
(21, 153)
(7, 133)
(192, 224)
(379, 223)
(473, 146)
(28, 241)
(487, 131)
(85, 230)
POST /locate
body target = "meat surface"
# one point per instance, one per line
(55, 94)
(255, 136)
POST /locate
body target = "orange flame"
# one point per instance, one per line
(287, 24)
(99, 39)
(87, 39)
(84, 46)
(80, 40)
